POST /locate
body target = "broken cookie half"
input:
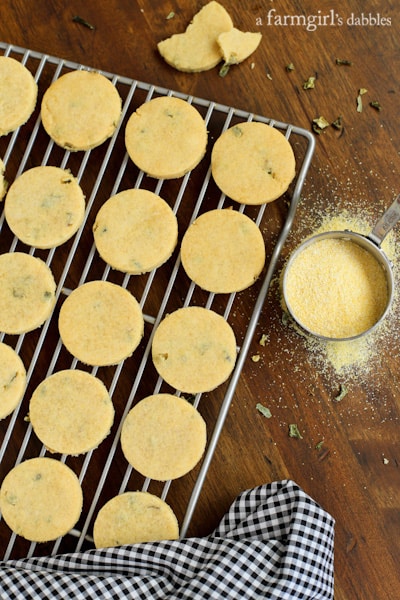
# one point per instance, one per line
(209, 39)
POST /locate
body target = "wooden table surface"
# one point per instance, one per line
(348, 456)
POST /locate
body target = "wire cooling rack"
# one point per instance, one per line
(101, 173)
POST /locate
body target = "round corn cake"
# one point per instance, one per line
(166, 137)
(135, 231)
(252, 163)
(12, 380)
(18, 94)
(3, 183)
(194, 349)
(41, 499)
(71, 412)
(27, 292)
(134, 518)
(197, 49)
(81, 110)
(45, 206)
(163, 437)
(223, 251)
(100, 323)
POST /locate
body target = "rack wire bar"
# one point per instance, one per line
(103, 172)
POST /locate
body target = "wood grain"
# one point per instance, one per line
(355, 473)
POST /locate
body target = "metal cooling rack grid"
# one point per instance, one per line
(103, 172)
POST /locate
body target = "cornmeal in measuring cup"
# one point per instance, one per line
(336, 289)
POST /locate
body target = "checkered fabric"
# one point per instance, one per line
(275, 542)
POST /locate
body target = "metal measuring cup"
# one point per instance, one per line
(372, 244)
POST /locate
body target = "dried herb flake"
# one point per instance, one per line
(170, 15)
(263, 410)
(309, 84)
(361, 92)
(224, 69)
(375, 104)
(320, 124)
(338, 123)
(77, 19)
(290, 67)
(341, 61)
(294, 431)
(343, 391)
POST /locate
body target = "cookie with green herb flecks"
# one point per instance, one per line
(41, 499)
(101, 323)
(166, 137)
(163, 437)
(71, 412)
(27, 292)
(12, 379)
(252, 163)
(135, 231)
(132, 518)
(194, 349)
(223, 251)
(45, 206)
(18, 94)
(81, 110)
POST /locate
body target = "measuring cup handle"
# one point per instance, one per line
(386, 223)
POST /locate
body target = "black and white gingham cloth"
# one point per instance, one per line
(275, 542)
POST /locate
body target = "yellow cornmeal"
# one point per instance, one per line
(135, 231)
(101, 323)
(194, 349)
(223, 251)
(166, 137)
(238, 45)
(3, 183)
(81, 110)
(197, 48)
(44, 206)
(71, 412)
(252, 163)
(163, 437)
(18, 94)
(133, 518)
(12, 380)
(41, 499)
(27, 292)
(336, 289)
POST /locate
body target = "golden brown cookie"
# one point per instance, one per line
(163, 437)
(252, 163)
(71, 412)
(101, 323)
(197, 48)
(81, 110)
(45, 206)
(12, 380)
(41, 499)
(194, 349)
(166, 137)
(134, 518)
(18, 94)
(223, 251)
(135, 231)
(27, 292)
